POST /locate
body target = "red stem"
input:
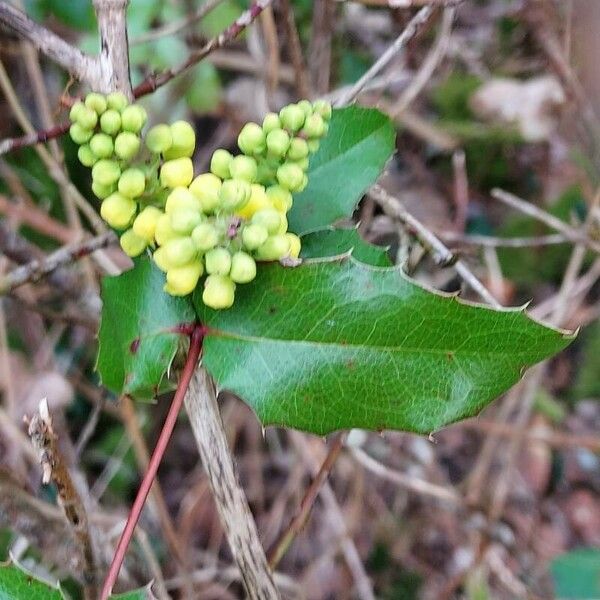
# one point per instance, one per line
(161, 445)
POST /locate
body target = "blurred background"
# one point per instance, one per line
(497, 108)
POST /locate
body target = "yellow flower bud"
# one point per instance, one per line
(243, 268)
(258, 201)
(132, 244)
(184, 141)
(205, 236)
(117, 101)
(218, 261)
(183, 280)
(159, 139)
(176, 173)
(132, 183)
(280, 198)
(269, 218)
(219, 163)
(180, 251)
(160, 259)
(86, 156)
(254, 236)
(163, 232)
(219, 292)
(110, 122)
(183, 220)
(181, 198)
(97, 102)
(118, 211)
(243, 167)
(295, 244)
(145, 223)
(276, 247)
(106, 172)
(133, 118)
(206, 188)
(127, 145)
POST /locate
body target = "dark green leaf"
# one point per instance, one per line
(336, 344)
(137, 336)
(17, 584)
(576, 574)
(333, 242)
(351, 157)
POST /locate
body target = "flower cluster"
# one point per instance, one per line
(217, 223)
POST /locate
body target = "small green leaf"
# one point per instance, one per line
(576, 574)
(138, 338)
(351, 157)
(336, 344)
(334, 242)
(18, 584)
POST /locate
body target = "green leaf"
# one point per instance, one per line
(336, 344)
(576, 574)
(334, 242)
(18, 584)
(351, 157)
(138, 338)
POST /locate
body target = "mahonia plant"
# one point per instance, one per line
(218, 223)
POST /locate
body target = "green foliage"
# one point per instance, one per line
(351, 157)
(576, 574)
(334, 242)
(336, 344)
(138, 338)
(18, 584)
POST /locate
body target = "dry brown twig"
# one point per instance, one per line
(36, 269)
(414, 26)
(54, 470)
(236, 518)
(393, 207)
(570, 233)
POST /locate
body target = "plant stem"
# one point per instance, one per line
(232, 505)
(134, 514)
(284, 541)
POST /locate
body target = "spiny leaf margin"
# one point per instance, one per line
(324, 385)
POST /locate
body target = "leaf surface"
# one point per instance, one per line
(18, 584)
(336, 344)
(350, 159)
(334, 242)
(138, 332)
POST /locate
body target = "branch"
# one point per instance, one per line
(41, 523)
(82, 66)
(155, 81)
(578, 236)
(113, 61)
(394, 208)
(54, 470)
(236, 518)
(173, 27)
(38, 268)
(415, 25)
(280, 547)
(37, 137)
(161, 445)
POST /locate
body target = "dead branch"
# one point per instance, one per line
(236, 518)
(55, 470)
